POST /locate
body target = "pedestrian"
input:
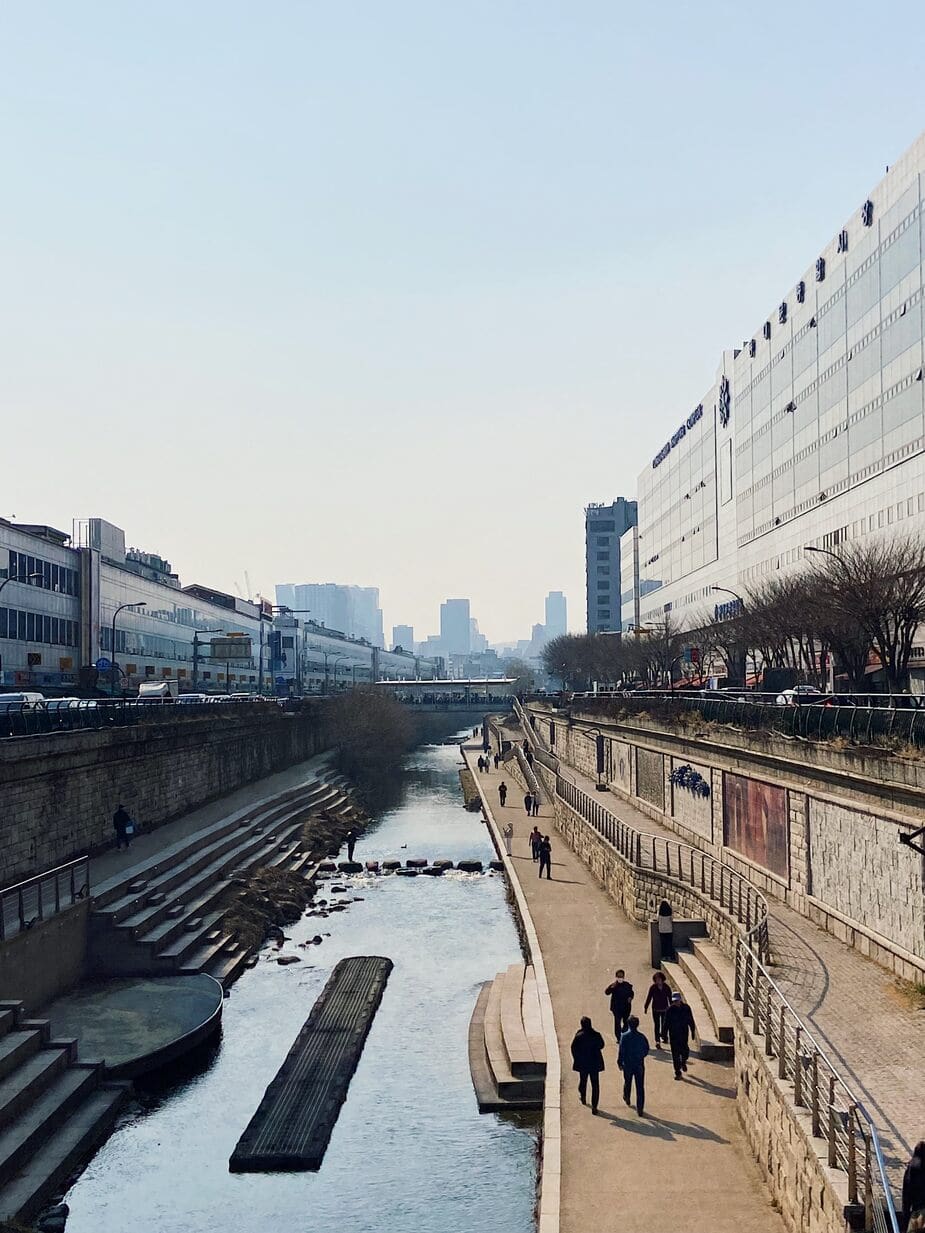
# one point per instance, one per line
(529, 759)
(351, 844)
(480, 764)
(659, 998)
(526, 744)
(546, 857)
(502, 792)
(588, 1060)
(535, 810)
(620, 992)
(497, 760)
(122, 824)
(486, 746)
(528, 803)
(508, 833)
(535, 840)
(679, 1020)
(631, 1059)
(666, 930)
(914, 1185)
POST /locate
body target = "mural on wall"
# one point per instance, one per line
(650, 777)
(756, 822)
(691, 796)
(620, 765)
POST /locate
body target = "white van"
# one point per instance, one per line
(28, 701)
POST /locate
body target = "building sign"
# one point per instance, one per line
(666, 449)
(725, 612)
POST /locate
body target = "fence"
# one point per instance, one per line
(23, 905)
(57, 715)
(837, 1116)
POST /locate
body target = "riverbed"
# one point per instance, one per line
(410, 1153)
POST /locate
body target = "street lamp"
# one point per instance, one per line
(18, 578)
(196, 646)
(734, 594)
(338, 659)
(140, 604)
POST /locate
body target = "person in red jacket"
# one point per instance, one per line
(659, 998)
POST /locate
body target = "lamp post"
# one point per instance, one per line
(140, 604)
(337, 660)
(18, 578)
(196, 646)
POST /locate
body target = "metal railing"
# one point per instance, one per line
(36, 899)
(836, 1114)
(57, 715)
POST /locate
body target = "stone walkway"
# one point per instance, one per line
(853, 1007)
(686, 1164)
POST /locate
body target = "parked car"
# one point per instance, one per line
(190, 699)
(27, 701)
(799, 694)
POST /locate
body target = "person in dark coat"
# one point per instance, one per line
(502, 792)
(588, 1060)
(665, 930)
(497, 760)
(546, 857)
(535, 808)
(536, 840)
(620, 992)
(351, 844)
(121, 823)
(528, 803)
(679, 1021)
(914, 1184)
(659, 998)
(631, 1059)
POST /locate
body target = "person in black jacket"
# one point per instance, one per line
(620, 992)
(679, 1020)
(913, 1184)
(659, 997)
(588, 1060)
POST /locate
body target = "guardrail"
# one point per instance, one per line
(36, 899)
(836, 1114)
(812, 720)
(63, 715)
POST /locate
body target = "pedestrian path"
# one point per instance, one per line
(685, 1165)
(852, 1006)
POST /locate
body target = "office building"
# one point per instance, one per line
(604, 525)
(813, 430)
(403, 636)
(455, 627)
(556, 615)
(351, 610)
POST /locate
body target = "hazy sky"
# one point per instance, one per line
(384, 293)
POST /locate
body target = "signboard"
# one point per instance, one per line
(103, 664)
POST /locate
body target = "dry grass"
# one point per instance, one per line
(913, 991)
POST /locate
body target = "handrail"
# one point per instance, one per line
(25, 903)
(836, 1113)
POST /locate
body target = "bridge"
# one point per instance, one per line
(451, 697)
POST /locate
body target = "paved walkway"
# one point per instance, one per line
(686, 1164)
(852, 1006)
(148, 843)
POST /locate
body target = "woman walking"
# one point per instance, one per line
(508, 833)
(659, 997)
(588, 1060)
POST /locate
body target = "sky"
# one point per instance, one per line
(387, 293)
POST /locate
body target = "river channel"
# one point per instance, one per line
(410, 1153)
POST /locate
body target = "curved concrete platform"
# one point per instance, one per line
(137, 1024)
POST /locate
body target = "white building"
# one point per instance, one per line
(813, 431)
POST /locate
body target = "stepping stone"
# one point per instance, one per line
(470, 866)
(372, 866)
(498, 866)
(435, 871)
(443, 864)
(406, 873)
(350, 867)
(327, 867)
(416, 862)
(390, 865)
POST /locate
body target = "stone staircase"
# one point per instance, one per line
(164, 915)
(705, 977)
(507, 1052)
(54, 1112)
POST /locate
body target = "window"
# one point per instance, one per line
(603, 556)
(603, 571)
(603, 586)
(603, 541)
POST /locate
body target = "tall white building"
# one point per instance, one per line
(813, 431)
(455, 627)
(352, 610)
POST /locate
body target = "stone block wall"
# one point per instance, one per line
(47, 960)
(59, 791)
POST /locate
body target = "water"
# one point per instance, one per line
(410, 1153)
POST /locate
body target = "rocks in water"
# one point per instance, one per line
(416, 862)
(338, 890)
(498, 866)
(435, 871)
(443, 863)
(406, 873)
(350, 867)
(327, 866)
(284, 959)
(391, 865)
(54, 1220)
(372, 866)
(470, 866)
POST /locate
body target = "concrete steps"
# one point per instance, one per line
(685, 977)
(507, 1064)
(54, 1111)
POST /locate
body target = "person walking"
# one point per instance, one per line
(665, 930)
(679, 1021)
(620, 992)
(535, 840)
(508, 833)
(535, 808)
(914, 1185)
(122, 824)
(588, 1060)
(631, 1060)
(545, 854)
(659, 998)
(529, 759)
(351, 844)
(497, 760)
(528, 803)
(502, 792)
(485, 746)
(480, 763)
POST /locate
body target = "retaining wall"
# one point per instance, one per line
(59, 791)
(47, 959)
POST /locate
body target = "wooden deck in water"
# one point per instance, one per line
(292, 1126)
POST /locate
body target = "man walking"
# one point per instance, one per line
(659, 998)
(502, 792)
(545, 857)
(351, 844)
(536, 840)
(631, 1059)
(508, 833)
(528, 803)
(679, 1020)
(588, 1060)
(497, 760)
(480, 763)
(620, 992)
(535, 809)
(122, 824)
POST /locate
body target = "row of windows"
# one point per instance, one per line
(51, 577)
(37, 627)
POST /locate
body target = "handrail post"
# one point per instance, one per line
(833, 1158)
(868, 1188)
(747, 984)
(852, 1156)
(768, 1033)
(798, 1068)
(736, 969)
(756, 1019)
(815, 1105)
(782, 1047)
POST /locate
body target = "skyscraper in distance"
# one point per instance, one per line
(455, 629)
(556, 615)
(604, 524)
(403, 636)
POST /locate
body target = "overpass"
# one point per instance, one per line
(477, 695)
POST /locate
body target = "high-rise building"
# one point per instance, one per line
(556, 615)
(403, 636)
(455, 630)
(604, 524)
(353, 610)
